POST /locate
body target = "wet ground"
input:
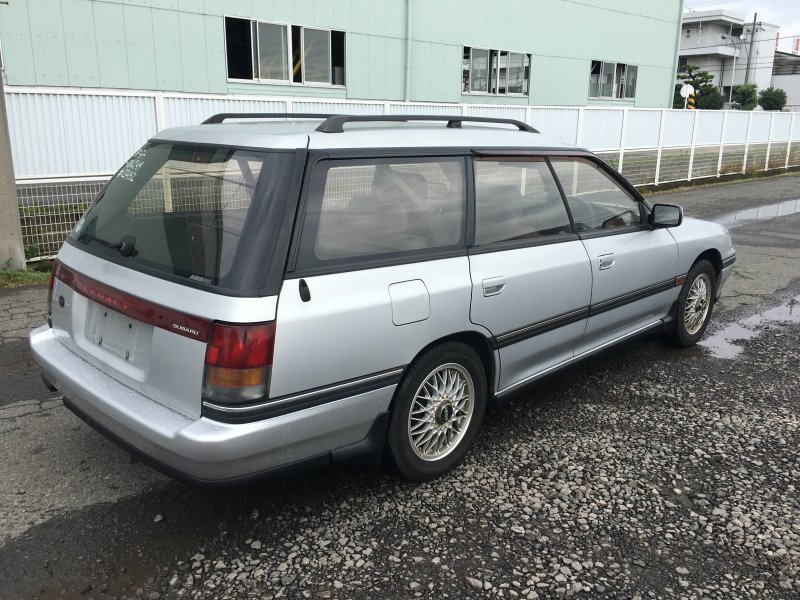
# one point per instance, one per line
(647, 470)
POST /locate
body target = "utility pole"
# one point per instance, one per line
(12, 255)
(750, 51)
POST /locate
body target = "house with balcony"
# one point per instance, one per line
(718, 41)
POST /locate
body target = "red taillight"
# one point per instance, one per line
(238, 361)
(240, 346)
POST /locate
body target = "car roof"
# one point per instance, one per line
(372, 134)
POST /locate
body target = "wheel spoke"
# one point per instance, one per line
(697, 304)
(440, 412)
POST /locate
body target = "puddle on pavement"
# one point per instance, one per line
(760, 213)
(722, 343)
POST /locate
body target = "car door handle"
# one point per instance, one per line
(606, 261)
(493, 286)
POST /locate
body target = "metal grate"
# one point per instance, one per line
(640, 167)
(674, 165)
(48, 211)
(732, 159)
(756, 157)
(777, 156)
(794, 155)
(706, 160)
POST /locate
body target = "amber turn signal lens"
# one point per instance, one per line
(235, 378)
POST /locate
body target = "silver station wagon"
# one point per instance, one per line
(281, 291)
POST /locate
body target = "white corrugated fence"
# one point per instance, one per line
(66, 142)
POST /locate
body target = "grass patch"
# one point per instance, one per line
(38, 275)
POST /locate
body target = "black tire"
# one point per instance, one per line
(687, 334)
(399, 443)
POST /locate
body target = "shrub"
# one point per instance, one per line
(772, 98)
(744, 96)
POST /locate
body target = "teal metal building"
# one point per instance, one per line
(510, 52)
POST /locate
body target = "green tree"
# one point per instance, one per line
(710, 98)
(707, 95)
(744, 96)
(772, 98)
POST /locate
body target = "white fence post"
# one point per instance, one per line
(769, 139)
(747, 141)
(528, 117)
(789, 143)
(622, 138)
(722, 141)
(660, 144)
(288, 102)
(691, 149)
(579, 127)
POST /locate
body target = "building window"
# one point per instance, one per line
(272, 52)
(497, 72)
(612, 80)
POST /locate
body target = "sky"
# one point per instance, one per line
(785, 13)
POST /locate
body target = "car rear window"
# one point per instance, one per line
(183, 210)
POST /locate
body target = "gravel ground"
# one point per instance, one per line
(678, 480)
(646, 472)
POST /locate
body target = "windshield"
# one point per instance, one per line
(184, 210)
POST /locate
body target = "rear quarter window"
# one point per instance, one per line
(382, 208)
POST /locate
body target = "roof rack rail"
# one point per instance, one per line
(335, 123)
(219, 118)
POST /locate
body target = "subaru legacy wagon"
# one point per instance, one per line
(271, 291)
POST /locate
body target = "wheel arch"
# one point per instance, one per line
(713, 256)
(475, 340)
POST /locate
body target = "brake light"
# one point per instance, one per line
(238, 362)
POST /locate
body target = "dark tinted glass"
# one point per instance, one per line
(372, 208)
(517, 200)
(183, 210)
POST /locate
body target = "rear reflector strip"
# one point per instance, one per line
(133, 307)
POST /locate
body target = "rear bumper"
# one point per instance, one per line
(202, 450)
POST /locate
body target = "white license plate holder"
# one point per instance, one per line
(113, 332)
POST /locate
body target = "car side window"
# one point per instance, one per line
(517, 199)
(595, 200)
(377, 207)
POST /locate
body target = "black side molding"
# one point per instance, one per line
(540, 327)
(282, 405)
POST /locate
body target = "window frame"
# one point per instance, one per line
(302, 258)
(622, 183)
(499, 245)
(493, 78)
(257, 80)
(616, 81)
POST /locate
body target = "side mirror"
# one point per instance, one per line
(666, 215)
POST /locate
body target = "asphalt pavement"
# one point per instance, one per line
(647, 471)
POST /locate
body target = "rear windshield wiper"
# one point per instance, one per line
(124, 247)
